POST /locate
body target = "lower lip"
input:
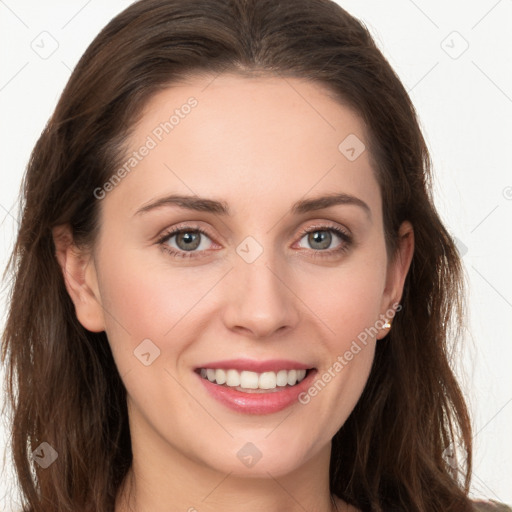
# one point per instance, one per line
(258, 403)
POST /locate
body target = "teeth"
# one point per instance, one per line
(292, 377)
(249, 380)
(232, 378)
(282, 378)
(267, 380)
(252, 380)
(220, 376)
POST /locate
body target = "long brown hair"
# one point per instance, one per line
(63, 383)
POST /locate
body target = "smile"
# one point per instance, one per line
(253, 382)
(255, 387)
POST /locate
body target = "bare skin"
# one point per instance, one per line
(259, 146)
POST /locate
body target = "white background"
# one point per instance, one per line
(464, 101)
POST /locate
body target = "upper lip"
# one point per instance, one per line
(269, 365)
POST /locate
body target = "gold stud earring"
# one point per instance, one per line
(387, 325)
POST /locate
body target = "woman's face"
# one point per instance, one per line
(254, 293)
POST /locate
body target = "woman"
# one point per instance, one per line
(176, 339)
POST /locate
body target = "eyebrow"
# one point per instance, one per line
(202, 204)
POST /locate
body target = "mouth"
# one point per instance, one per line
(254, 387)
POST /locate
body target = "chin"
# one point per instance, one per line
(278, 456)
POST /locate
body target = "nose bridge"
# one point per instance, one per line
(259, 298)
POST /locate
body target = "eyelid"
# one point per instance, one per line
(325, 225)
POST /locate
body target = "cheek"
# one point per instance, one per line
(148, 291)
(349, 312)
(347, 299)
(141, 303)
(145, 298)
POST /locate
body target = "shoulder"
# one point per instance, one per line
(490, 506)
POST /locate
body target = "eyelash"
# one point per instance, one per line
(343, 235)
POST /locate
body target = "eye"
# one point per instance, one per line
(321, 238)
(188, 240)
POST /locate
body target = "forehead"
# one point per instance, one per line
(237, 138)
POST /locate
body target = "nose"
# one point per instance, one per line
(260, 299)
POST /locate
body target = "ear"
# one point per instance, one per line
(397, 270)
(80, 278)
